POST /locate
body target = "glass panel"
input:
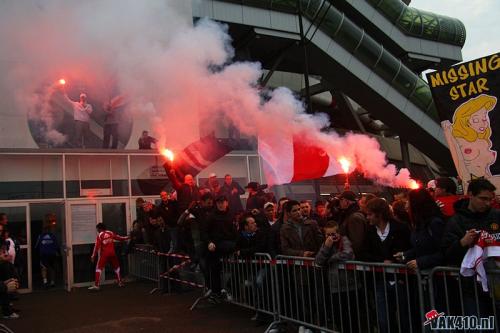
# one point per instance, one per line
(148, 175)
(254, 167)
(114, 216)
(83, 222)
(369, 51)
(349, 35)
(83, 269)
(16, 223)
(387, 67)
(405, 81)
(284, 5)
(331, 22)
(22, 268)
(236, 166)
(422, 97)
(39, 212)
(30, 177)
(109, 174)
(392, 8)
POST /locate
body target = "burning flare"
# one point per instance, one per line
(345, 164)
(168, 154)
(412, 184)
(62, 82)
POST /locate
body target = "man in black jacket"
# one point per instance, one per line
(384, 238)
(167, 210)
(187, 192)
(256, 197)
(221, 242)
(250, 240)
(232, 190)
(473, 215)
(352, 221)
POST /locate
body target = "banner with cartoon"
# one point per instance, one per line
(466, 96)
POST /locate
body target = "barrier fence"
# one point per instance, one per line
(348, 296)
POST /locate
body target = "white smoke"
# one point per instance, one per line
(172, 73)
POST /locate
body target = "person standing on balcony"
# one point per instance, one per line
(81, 116)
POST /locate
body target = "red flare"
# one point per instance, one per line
(62, 82)
(412, 184)
(345, 164)
(168, 154)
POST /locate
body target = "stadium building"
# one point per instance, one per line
(358, 61)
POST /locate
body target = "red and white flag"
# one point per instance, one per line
(289, 159)
(198, 155)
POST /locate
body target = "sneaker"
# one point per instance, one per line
(13, 315)
(225, 295)
(214, 298)
(94, 288)
(121, 284)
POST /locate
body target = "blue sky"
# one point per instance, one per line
(481, 19)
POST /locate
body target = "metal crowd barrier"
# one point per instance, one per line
(145, 264)
(249, 282)
(353, 296)
(164, 269)
(348, 296)
(452, 294)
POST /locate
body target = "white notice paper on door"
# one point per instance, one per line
(83, 222)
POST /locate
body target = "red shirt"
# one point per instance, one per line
(104, 243)
(446, 204)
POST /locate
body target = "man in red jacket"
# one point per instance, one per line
(104, 249)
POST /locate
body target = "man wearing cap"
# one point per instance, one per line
(352, 221)
(212, 184)
(256, 197)
(81, 116)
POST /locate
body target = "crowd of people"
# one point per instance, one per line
(421, 228)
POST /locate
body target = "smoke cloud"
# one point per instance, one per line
(171, 72)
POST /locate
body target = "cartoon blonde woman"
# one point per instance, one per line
(469, 137)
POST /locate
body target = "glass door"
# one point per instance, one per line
(19, 230)
(84, 215)
(48, 216)
(115, 216)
